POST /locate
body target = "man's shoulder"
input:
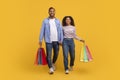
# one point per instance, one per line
(47, 20)
(57, 19)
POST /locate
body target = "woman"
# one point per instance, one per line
(68, 45)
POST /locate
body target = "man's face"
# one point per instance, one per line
(51, 13)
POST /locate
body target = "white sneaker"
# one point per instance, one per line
(54, 68)
(51, 71)
(67, 71)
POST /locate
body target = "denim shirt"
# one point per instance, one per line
(45, 31)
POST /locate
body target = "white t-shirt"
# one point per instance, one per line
(53, 30)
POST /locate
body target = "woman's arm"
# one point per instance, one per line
(76, 37)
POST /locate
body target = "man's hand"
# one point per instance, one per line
(60, 43)
(40, 44)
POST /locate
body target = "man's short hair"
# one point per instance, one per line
(51, 8)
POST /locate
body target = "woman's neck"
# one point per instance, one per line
(69, 25)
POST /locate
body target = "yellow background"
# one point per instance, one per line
(97, 21)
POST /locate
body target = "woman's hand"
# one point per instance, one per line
(82, 41)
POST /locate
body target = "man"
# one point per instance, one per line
(52, 32)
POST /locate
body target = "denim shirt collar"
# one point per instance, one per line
(55, 21)
(49, 18)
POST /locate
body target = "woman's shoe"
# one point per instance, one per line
(71, 68)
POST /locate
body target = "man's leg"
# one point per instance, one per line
(56, 51)
(49, 53)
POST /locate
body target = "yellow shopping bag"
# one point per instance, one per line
(82, 54)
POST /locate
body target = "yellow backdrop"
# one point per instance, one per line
(97, 21)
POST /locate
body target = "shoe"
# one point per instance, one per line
(51, 71)
(53, 66)
(67, 71)
(71, 68)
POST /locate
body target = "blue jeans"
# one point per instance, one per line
(68, 47)
(49, 46)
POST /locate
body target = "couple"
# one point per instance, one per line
(55, 35)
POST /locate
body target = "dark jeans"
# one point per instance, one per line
(68, 47)
(49, 47)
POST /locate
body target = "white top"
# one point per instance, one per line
(70, 32)
(53, 30)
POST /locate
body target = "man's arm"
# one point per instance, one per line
(61, 34)
(41, 34)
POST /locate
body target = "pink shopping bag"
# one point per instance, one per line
(88, 54)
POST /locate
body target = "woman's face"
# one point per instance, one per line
(68, 21)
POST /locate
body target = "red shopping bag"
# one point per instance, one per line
(36, 59)
(40, 57)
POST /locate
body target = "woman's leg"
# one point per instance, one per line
(72, 52)
(65, 53)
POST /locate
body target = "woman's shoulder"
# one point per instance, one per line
(67, 27)
(72, 27)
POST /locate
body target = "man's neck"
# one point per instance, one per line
(51, 17)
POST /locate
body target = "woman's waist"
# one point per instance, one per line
(65, 38)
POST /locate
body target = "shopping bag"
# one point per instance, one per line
(36, 59)
(88, 54)
(85, 54)
(44, 61)
(82, 54)
(40, 57)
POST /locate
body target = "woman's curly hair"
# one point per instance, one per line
(64, 21)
